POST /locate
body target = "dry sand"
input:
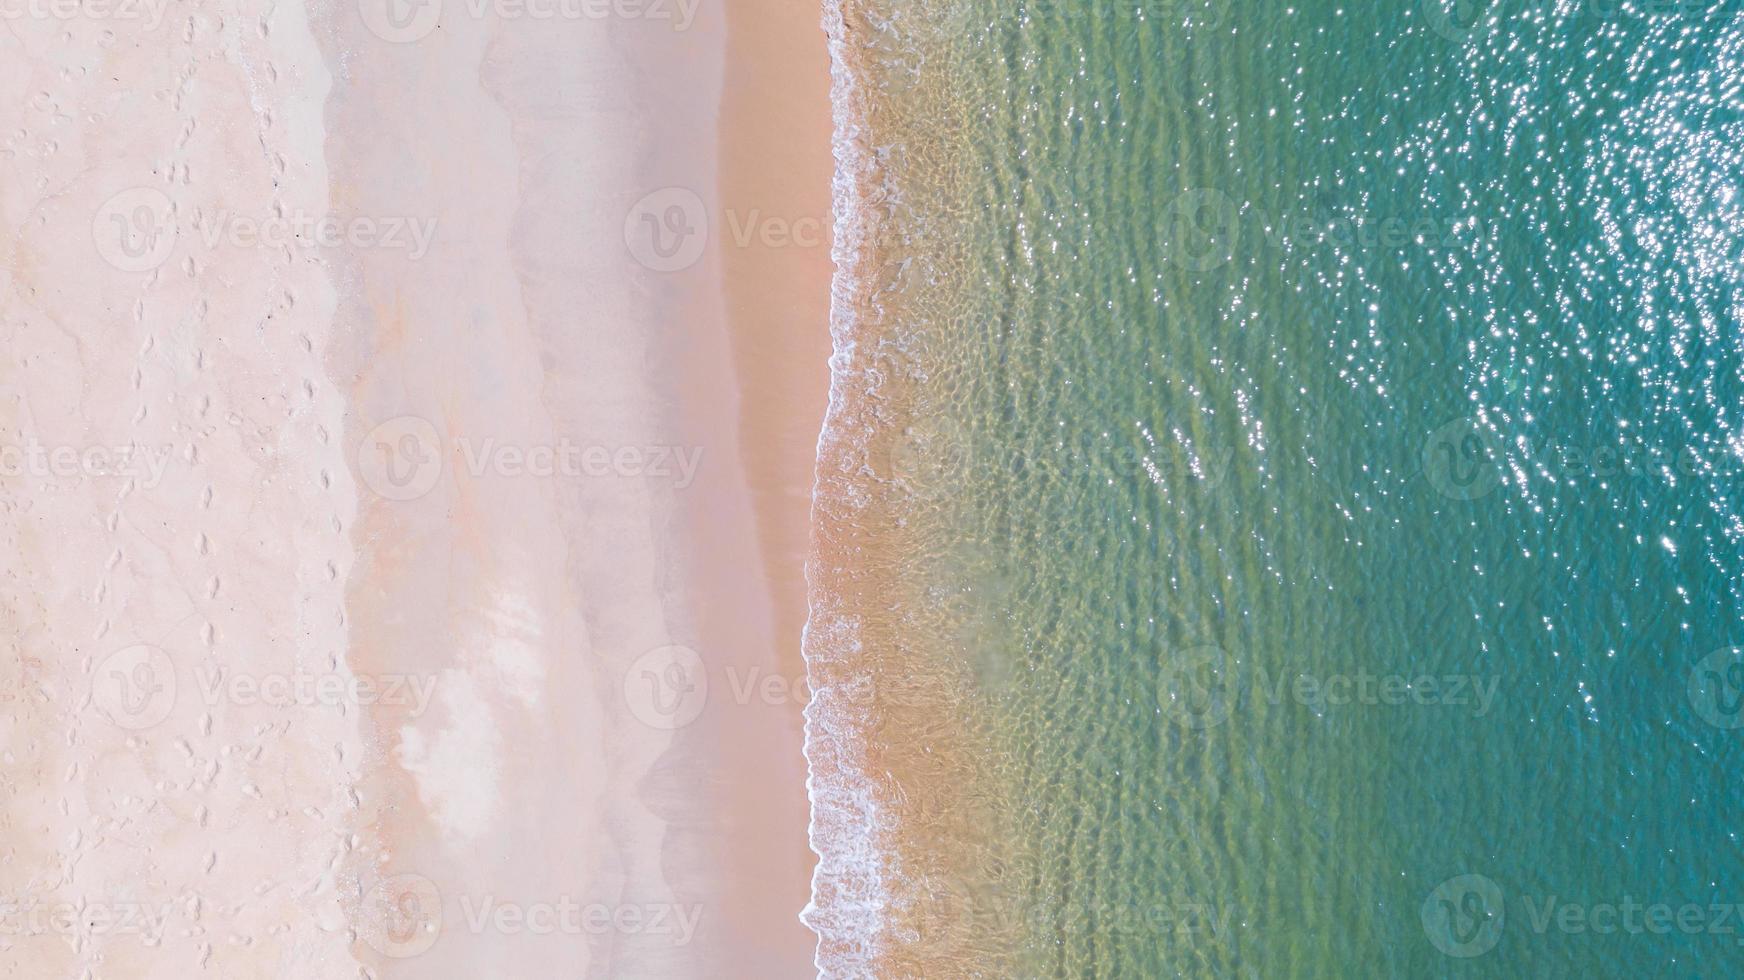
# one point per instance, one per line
(403, 526)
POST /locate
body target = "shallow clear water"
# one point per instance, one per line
(1323, 450)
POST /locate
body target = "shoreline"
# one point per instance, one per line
(847, 878)
(916, 865)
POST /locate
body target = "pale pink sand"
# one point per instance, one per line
(602, 734)
(151, 823)
(532, 492)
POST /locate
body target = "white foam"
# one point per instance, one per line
(851, 883)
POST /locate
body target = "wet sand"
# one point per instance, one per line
(775, 168)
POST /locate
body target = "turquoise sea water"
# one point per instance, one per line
(1324, 440)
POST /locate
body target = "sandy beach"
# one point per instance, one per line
(406, 522)
(774, 210)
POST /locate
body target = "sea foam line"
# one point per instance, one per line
(850, 884)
